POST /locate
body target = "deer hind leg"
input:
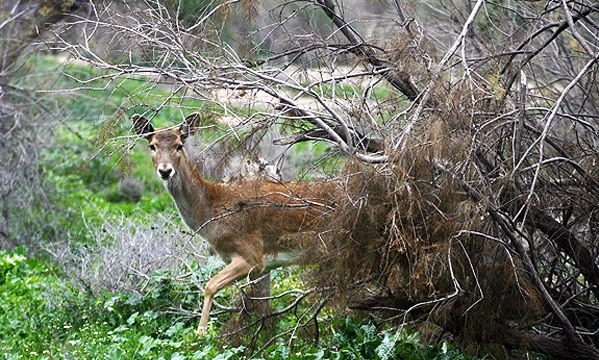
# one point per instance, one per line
(235, 270)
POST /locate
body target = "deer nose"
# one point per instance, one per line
(166, 174)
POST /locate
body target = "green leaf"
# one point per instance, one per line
(147, 343)
(385, 349)
(177, 356)
(131, 319)
(444, 347)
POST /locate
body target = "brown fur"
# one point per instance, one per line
(243, 222)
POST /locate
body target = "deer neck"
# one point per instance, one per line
(188, 189)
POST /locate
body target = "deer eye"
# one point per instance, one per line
(179, 147)
(152, 147)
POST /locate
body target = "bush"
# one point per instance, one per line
(122, 255)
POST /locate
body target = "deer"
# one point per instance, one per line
(254, 225)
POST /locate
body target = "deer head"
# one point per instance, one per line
(166, 144)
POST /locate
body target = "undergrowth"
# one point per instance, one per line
(43, 316)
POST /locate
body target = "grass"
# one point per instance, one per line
(380, 92)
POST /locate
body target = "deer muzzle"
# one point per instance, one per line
(165, 171)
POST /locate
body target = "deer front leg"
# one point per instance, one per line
(235, 270)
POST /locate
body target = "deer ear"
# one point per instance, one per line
(142, 126)
(190, 125)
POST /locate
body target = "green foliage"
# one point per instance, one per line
(24, 304)
(42, 316)
(354, 339)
